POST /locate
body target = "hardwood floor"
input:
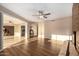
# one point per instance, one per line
(32, 48)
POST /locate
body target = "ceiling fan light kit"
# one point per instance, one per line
(42, 15)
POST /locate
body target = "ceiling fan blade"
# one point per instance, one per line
(48, 14)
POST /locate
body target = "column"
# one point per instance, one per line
(40, 34)
(1, 23)
(41, 30)
(26, 33)
(17, 31)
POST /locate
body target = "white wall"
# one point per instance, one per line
(61, 26)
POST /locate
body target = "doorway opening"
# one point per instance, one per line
(23, 31)
(33, 30)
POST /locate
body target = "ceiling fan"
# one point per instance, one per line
(42, 14)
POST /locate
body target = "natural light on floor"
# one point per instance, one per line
(61, 37)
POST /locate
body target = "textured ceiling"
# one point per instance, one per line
(26, 10)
